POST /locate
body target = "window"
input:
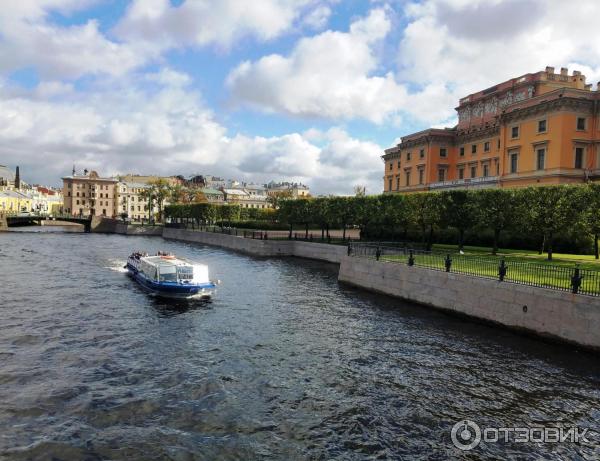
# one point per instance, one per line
(389, 183)
(474, 148)
(420, 176)
(408, 178)
(462, 151)
(579, 157)
(514, 132)
(397, 182)
(498, 144)
(461, 173)
(408, 156)
(473, 172)
(541, 126)
(514, 157)
(486, 146)
(541, 158)
(77, 202)
(581, 123)
(391, 166)
(443, 152)
(422, 153)
(441, 174)
(486, 170)
(398, 163)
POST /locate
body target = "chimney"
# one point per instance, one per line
(549, 70)
(564, 71)
(17, 179)
(576, 73)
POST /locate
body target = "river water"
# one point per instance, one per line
(284, 364)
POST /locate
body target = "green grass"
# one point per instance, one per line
(558, 259)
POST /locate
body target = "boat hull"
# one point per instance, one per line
(170, 289)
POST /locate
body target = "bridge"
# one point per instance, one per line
(18, 220)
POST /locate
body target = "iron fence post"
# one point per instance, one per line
(411, 258)
(448, 263)
(349, 249)
(378, 253)
(576, 280)
(502, 268)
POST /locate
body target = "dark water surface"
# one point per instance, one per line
(283, 364)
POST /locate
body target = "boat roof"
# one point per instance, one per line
(161, 261)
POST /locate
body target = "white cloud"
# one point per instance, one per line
(27, 39)
(166, 129)
(328, 75)
(204, 22)
(470, 45)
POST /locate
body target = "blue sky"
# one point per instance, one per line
(301, 90)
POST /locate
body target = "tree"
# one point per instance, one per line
(497, 209)
(459, 210)
(365, 212)
(425, 211)
(591, 213)
(393, 212)
(342, 212)
(552, 209)
(360, 191)
(147, 194)
(160, 192)
(275, 198)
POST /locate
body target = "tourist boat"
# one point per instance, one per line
(169, 276)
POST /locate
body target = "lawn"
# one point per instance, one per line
(558, 259)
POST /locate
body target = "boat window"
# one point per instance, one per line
(168, 274)
(185, 272)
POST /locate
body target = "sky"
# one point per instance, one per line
(295, 90)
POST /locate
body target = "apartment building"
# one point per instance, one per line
(89, 194)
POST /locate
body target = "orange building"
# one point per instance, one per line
(538, 129)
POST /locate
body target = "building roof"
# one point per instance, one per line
(14, 194)
(135, 185)
(208, 190)
(239, 192)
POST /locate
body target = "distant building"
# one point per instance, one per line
(536, 129)
(131, 202)
(146, 179)
(13, 201)
(89, 194)
(245, 199)
(214, 196)
(213, 182)
(7, 177)
(297, 190)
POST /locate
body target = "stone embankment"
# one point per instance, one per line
(558, 315)
(320, 251)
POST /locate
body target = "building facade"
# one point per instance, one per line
(537, 129)
(296, 190)
(130, 201)
(89, 194)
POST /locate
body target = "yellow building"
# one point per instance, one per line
(537, 129)
(13, 202)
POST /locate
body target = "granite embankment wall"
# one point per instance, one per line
(549, 313)
(3, 222)
(115, 226)
(321, 251)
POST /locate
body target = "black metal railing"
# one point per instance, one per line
(556, 277)
(335, 237)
